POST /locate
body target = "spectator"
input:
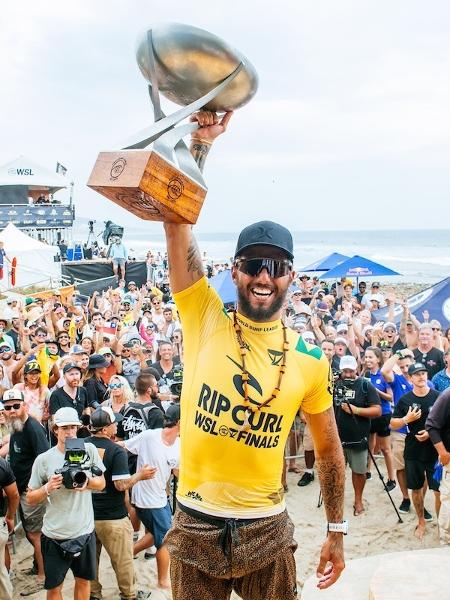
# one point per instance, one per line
(68, 537)
(27, 441)
(96, 388)
(420, 455)
(8, 490)
(427, 354)
(441, 380)
(72, 394)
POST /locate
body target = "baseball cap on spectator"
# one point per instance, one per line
(309, 337)
(303, 309)
(375, 284)
(367, 328)
(29, 301)
(13, 394)
(375, 298)
(389, 325)
(31, 365)
(66, 416)
(304, 276)
(105, 350)
(322, 306)
(348, 362)
(97, 361)
(341, 327)
(78, 349)
(11, 300)
(104, 416)
(172, 414)
(70, 366)
(416, 368)
(294, 289)
(131, 283)
(341, 340)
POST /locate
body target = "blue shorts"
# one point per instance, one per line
(118, 261)
(157, 520)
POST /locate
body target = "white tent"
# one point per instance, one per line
(35, 264)
(24, 171)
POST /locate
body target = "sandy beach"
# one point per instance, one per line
(377, 531)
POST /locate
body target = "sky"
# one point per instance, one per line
(349, 129)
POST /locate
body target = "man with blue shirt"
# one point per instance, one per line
(441, 380)
(118, 255)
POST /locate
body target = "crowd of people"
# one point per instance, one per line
(93, 429)
(112, 369)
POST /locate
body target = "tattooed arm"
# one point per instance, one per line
(185, 262)
(331, 468)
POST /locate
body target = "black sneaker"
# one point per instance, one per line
(368, 475)
(142, 595)
(306, 479)
(426, 515)
(405, 506)
(390, 485)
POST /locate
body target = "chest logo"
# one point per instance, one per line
(275, 357)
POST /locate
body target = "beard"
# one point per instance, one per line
(15, 425)
(259, 314)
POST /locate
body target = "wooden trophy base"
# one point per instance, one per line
(144, 183)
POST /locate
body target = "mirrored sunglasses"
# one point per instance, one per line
(253, 266)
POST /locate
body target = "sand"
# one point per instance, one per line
(377, 531)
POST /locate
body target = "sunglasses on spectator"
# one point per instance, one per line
(150, 327)
(63, 337)
(4, 349)
(155, 303)
(41, 335)
(13, 406)
(115, 386)
(436, 328)
(253, 266)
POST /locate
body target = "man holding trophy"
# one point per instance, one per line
(245, 374)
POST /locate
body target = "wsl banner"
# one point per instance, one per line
(26, 216)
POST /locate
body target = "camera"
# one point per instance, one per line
(344, 391)
(73, 472)
(177, 381)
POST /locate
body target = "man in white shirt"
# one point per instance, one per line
(158, 448)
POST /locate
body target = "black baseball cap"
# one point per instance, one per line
(104, 416)
(416, 368)
(265, 233)
(172, 414)
(70, 366)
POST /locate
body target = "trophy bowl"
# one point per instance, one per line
(189, 62)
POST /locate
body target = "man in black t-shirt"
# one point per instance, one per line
(438, 427)
(427, 354)
(28, 440)
(112, 526)
(9, 488)
(72, 394)
(420, 455)
(356, 402)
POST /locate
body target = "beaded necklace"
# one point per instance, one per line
(243, 349)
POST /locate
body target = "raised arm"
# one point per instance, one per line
(185, 263)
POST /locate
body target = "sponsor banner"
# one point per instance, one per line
(38, 215)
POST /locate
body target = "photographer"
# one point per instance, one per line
(356, 402)
(68, 538)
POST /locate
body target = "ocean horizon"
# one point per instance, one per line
(421, 256)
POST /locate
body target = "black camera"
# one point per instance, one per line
(177, 381)
(344, 391)
(73, 472)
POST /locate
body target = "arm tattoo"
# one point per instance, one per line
(194, 260)
(331, 469)
(200, 151)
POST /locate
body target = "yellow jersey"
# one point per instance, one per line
(224, 470)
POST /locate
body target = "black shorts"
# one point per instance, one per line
(415, 474)
(380, 425)
(56, 563)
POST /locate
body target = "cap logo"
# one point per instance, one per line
(264, 232)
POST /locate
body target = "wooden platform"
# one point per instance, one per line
(414, 575)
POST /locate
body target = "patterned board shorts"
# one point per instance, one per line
(255, 559)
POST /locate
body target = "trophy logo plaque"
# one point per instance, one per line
(154, 175)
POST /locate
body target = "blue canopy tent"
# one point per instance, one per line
(325, 264)
(224, 286)
(435, 299)
(358, 266)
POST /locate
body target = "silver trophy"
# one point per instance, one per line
(154, 175)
